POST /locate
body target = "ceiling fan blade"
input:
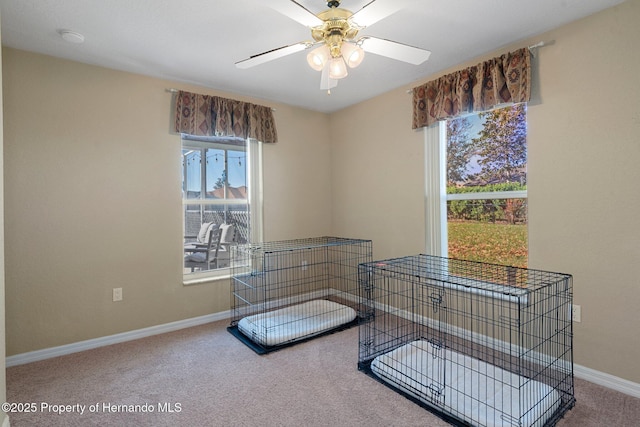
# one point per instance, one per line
(374, 11)
(270, 55)
(297, 12)
(394, 50)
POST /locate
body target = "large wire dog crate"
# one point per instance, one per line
(478, 344)
(291, 290)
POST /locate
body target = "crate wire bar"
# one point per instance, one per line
(286, 291)
(478, 344)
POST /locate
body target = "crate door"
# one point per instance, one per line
(430, 314)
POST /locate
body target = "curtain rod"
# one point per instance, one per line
(172, 90)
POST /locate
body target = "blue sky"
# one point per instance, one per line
(236, 165)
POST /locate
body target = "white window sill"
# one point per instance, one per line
(206, 278)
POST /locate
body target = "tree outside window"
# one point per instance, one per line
(486, 186)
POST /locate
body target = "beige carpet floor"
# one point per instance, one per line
(203, 376)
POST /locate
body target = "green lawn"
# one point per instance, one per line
(495, 243)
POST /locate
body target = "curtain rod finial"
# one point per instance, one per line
(533, 47)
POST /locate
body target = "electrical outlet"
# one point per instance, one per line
(576, 313)
(305, 266)
(117, 294)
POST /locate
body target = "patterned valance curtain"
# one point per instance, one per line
(205, 115)
(499, 80)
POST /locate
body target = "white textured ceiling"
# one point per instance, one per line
(199, 41)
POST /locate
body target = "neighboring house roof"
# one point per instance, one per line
(232, 192)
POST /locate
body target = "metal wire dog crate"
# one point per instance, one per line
(291, 290)
(478, 344)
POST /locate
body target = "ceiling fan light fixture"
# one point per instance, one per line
(353, 54)
(337, 68)
(318, 57)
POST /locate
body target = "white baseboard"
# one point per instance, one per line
(47, 353)
(607, 380)
(588, 374)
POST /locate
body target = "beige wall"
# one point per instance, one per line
(93, 200)
(584, 166)
(92, 197)
(378, 176)
(3, 388)
(583, 175)
(297, 197)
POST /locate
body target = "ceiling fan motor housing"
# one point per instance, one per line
(335, 29)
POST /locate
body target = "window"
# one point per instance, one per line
(476, 187)
(220, 185)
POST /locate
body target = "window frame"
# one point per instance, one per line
(254, 203)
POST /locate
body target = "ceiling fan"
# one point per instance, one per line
(334, 32)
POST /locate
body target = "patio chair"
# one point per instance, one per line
(227, 239)
(203, 255)
(202, 235)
